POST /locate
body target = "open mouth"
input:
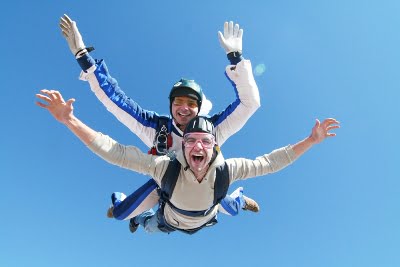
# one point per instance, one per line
(183, 115)
(197, 158)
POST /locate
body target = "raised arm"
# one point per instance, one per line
(240, 75)
(247, 101)
(140, 121)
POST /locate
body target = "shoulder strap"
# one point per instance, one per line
(162, 139)
(169, 179)
(163, 120)
(221, 183)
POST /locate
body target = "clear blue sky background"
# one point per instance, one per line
(336, 206)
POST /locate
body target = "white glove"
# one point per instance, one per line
(231, 40)
(72, 35)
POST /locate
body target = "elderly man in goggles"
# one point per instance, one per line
(199, 160)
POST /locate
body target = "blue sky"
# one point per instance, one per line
(336, 206)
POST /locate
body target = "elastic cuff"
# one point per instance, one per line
(235, 57)
(86, 61)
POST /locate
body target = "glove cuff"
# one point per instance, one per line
(234, 57)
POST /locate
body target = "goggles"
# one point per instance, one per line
(190, 102)
(207, 140)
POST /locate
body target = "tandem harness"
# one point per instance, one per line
(168, 183)
(163, 139)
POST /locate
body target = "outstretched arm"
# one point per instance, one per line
(62, 111)
(128, 157)
(319, 133)
(281, 157)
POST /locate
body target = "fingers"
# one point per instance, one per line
(235, 30)
(232, 30)
(317, 123)
(240, 34)
(43, 97)
(226, 26)
(65, 27)
(332, 127)
(330, 121)
(52, 95)
(70, 102)
(221, 37)
(329, 125)
(41, 104)
(66, 24)
(67, 19)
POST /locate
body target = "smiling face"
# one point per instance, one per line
(198, 151)
(183, 110)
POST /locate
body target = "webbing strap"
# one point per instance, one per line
(160, 143)
(170, 178)
(221, 184)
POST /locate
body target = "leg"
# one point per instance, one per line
(148, 220)
(232, 204)
(139, 201)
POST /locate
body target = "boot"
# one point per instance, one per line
(250, 204)
(133, 226)
(110, 212)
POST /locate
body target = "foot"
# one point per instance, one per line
(133, 226)
(250, 204)
(110, 212)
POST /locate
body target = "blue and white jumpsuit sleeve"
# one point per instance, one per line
(140, 121)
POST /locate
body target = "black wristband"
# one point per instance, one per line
(88, 50)
(235, 57)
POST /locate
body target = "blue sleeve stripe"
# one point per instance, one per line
(110, 87)
(131, 202)
(230, 205)
(220, 117)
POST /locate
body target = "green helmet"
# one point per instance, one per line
(185, 87)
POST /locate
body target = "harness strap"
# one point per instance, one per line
(162, 139)
(167, 228)
(221, 184)
(168, 182)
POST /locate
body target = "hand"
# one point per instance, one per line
(61, 110)
(71, 34)
(231, 40)
(320, 131)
